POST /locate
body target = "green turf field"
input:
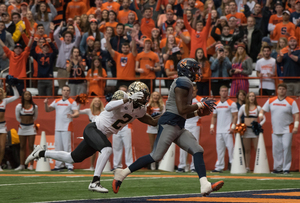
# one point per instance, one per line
(35, 188)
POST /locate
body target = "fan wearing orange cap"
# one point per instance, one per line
(289, 57)
(241, 68)
(169, 22)
(147, 63)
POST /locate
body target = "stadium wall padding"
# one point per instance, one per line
(140, 139)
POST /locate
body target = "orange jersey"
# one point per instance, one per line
(185, 47)
(242, 18)
(125, 65)
(123, 16)
(75, 8)
(95, 85)
(10, 8)
(111, 6)
(102, 28)
(199, 5)
(150, 59)
(198, 39)
(60, 12)
(274, 20)
(146, 26)
(92, 10)
(284, 30)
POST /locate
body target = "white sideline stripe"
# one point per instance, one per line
(75, 181)
(154, 196)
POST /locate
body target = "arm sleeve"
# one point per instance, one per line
(56, 37)
(214, 65)
(10, 41)
(247, 70)
(271, 27)
(82, 45)
(17, 112)
(53, 12)
(241, 112)
(53, 104)
(184, 83)
(13, 98)
(114, 105)
(84, 111)
(16, 35)
(266, 106)
(187, 25)
(214, 34)
(233, 108)
(32, 51)
(78, 36)
(295, 108)
(33, 11)
(35, 113)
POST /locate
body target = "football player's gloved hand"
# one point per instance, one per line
(136, 96)
(155, 114)
(207, 103)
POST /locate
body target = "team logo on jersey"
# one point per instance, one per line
(123, 61)
(283, 30)
(197, 36)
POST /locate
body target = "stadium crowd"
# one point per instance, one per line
(89, 40)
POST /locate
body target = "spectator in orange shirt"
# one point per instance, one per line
(123, 14)
(147, 63)
(18, 60)
(111, 22)
(199, 35)
(147, 23)
(284, 29)
(203, 85)
(233, 12)
(14, 7)
(183, 35)
(95, 85)
(169, 22)
(124, 60)
(275, 19)
(93, 10)
(163, 17)
(75, 8)
(171, 43)
(192, 6)
(23, 9)
(110, 5)
(290, 6)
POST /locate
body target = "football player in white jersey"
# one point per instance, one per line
(282, 109)
(179, 107)
(225, 115)
(123, 109)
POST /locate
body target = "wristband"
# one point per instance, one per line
(260, 114)
(296, 124)
(212, 125)
(233, 126)
(200, 105)
(196, 113)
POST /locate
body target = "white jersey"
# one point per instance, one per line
(63, 108)
(88, 112)
(224, 115)
(110, 122)
(281, 114)
(194, 121)
(20, 111)
(264, 67)
(8, 100)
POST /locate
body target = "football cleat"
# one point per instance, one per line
(96, 187)
(34, 154)
(209, 187)
(30, 168)
(118, 178)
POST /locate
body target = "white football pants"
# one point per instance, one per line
(223, 141)
(282, 151)
(120, 140)
(63, 143)
(195, 130)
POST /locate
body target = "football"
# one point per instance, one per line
(203, 112)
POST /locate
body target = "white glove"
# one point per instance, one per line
(136, 96)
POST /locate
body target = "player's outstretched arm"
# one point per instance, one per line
(149, 120)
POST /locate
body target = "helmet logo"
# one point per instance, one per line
(183, 63)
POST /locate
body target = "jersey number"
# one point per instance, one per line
(126, 120)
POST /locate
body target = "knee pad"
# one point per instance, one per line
(107, 150)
